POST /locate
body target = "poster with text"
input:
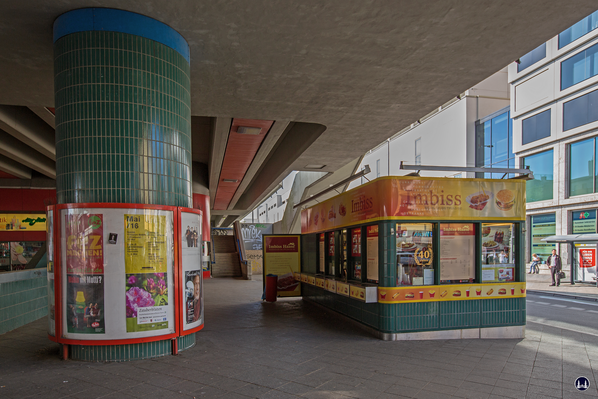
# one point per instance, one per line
(84, 243)
(372, 252)
(322, 253)
(193, 298)
(145, 244)
(457, 247)
(146, 296)
(282, 256)
(85, 304)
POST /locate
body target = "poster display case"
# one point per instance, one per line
(123, 273)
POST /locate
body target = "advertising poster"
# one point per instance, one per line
(85, 304)
(356, 242)
(146, 301)
(419, 198)
(84, 243)
(586, 262)
(587, 257)
(282, 256)
(22, 221)
(252, 241)
(372, 252)
(192, 276)
(193, 295)
(450, 292)
(457, 245)
(322, 253)
(145, 244)
(50, 274)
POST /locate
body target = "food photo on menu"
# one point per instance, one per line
(414, 254)
(498, 260)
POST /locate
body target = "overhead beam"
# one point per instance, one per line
(22, 153)
(275, 133)
(220, 132)
(24, 125)
(14, 168)
(45, 114)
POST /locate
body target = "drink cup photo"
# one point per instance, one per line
(467, 293)
(512, 290)
(421, 295)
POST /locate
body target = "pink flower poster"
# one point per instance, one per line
(146, 301)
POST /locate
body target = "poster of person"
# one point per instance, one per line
(84, 243)
(85, 304)
(193, 294)
(146, 301)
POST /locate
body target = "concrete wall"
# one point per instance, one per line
(23, 298)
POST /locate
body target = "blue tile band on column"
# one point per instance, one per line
(111, 20)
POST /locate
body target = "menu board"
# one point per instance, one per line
(356, 242)
(372, 252)
(322, 253)
(457, 256)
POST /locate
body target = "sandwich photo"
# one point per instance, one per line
(502, 291)
(505, 199)
(409, 295)
(457, 293)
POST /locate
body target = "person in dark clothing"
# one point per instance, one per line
(555, 265)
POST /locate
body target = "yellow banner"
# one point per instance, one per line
(145, 244)
(436, 293)
(22, 222)
(342, 288)
(358, 293)
(419, 198)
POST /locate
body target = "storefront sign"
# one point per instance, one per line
(587, 257)
(282, 258)
(372, 252)
(419, 198)
(22, 222)
(543, 226)
(439, 293)
(584, 222)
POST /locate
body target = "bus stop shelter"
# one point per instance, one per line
(582, 255)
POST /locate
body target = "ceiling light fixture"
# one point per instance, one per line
(230, 180)
(249, 130)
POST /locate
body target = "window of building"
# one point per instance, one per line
(580, 111)
(498, 252)
(580, 67)
(415, 254)
(494, 144)
(535, 127)
(532, 57)
(542, 226)
(377, 168)
(582, 169)
(578, 30)
(583, 222)
(541, 165)
(418, 151)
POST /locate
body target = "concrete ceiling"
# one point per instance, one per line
(355, 71)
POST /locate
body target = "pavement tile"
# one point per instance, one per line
(474, 386)
(469, 394)
(545, 391)
(294, 388)
(425, 394)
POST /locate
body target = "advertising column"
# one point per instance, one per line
(282, 257)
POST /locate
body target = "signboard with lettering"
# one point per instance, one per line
(282, 257)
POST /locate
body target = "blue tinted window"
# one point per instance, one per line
(580, 67)
(535, 127)
(581, 167)
(532, 57)
(494, 145)
(580, 111)
(542, 166)
(578, 30)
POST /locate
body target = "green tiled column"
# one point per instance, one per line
(123, 120)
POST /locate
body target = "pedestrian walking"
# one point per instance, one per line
(555, 265)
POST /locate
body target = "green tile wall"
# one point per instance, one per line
(120, 353)
(123, 120)
(22, 302)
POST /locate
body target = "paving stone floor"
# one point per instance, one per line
(290, 349)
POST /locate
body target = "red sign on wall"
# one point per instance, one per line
(587, 257)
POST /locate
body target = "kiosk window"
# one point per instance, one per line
(356, 254)
(457, 253)
(331, 253)
(322, 246)
(498, 252)
(415, 254)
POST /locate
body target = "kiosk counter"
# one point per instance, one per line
(420, 258)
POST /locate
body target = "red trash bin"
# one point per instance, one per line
(271, 289)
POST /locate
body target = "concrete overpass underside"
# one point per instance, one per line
(323, 82)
